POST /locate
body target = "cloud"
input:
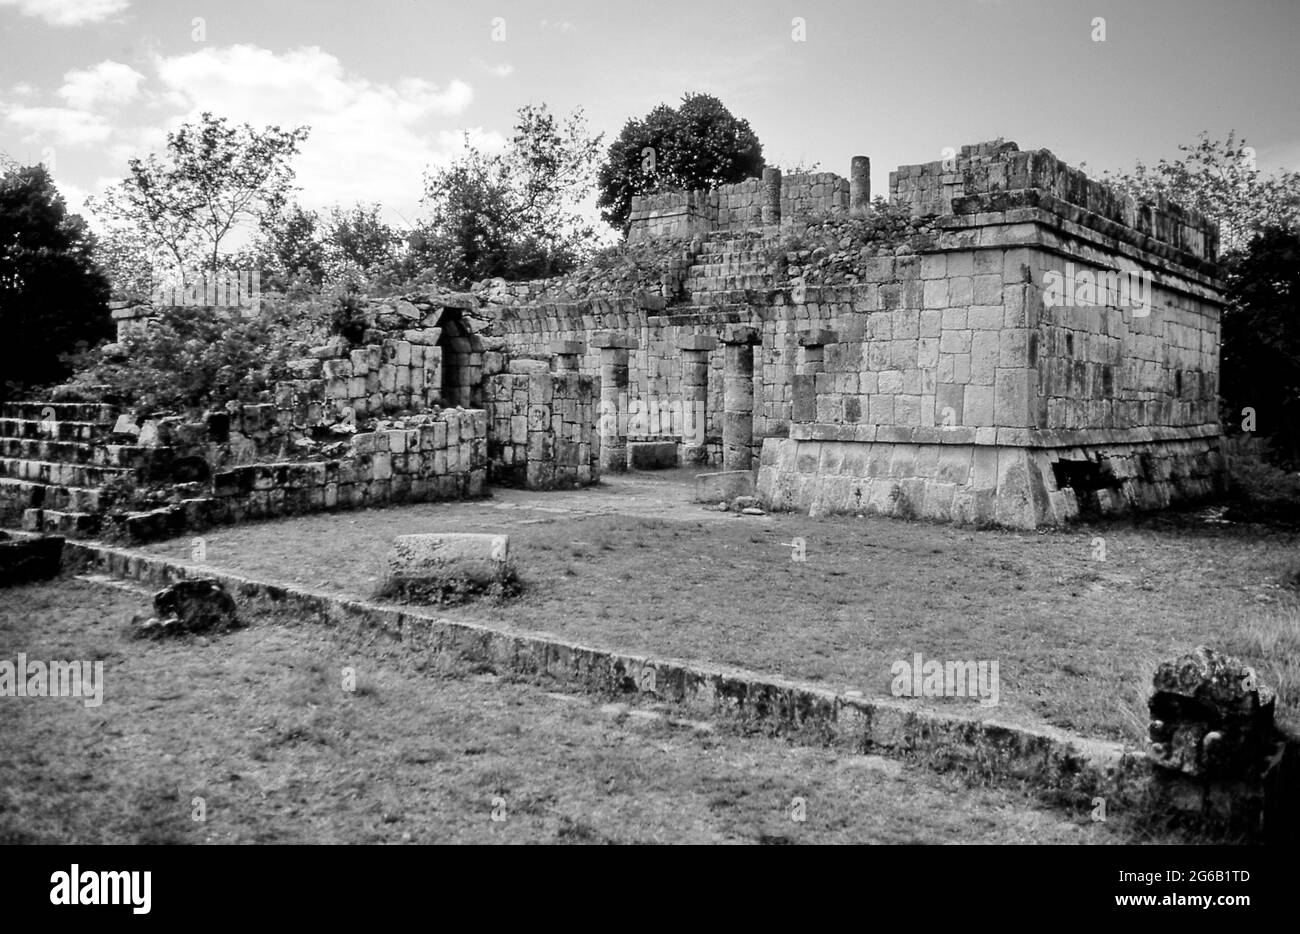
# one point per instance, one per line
(106, 83)
(60, 125)
(369, 141)
(69, 12)
(504, 70)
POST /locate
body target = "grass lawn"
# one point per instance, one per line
(1076, 637)
(257, 724)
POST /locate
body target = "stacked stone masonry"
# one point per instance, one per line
(542, 425)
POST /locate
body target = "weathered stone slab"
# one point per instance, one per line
(445, 566)
(723, 486)
(651, 455)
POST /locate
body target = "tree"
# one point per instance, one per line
(700, 144)
(289, 246)
(515, 213)
(1261, 339)
(52, 296)
(357, 238)
(1220, 179)
(213, 177)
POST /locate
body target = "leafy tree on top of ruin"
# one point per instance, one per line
(358, 239)
(515, 213)
(212, 178)
(289, 248)
(699, 144)
(1220, 179)
(52, 295)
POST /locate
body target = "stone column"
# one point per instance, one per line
(613, 395)
(859, 186)
(769, 212)
(810, 361)
(738, 399)
(695, 350)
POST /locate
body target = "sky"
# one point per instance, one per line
(390, 87)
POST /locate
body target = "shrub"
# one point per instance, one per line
(197, 358)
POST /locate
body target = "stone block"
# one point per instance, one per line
(432, 562)
(651, 455)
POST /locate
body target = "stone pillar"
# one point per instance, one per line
(804, 384)
(859, 186)
(132, 318)
(738, 399)
(565, 354)
(613, 395)
(769, 214)
(695, 350)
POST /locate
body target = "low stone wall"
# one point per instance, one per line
(814, 193)
(444, 458)
(769, 202)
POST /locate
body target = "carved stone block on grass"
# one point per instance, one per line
(449, 567)
(1210, 717)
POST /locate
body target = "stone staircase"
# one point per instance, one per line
(727, 266)
(62, 469)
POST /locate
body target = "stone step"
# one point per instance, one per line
(52, 473)
(59, 522)
(97, 412)
(730, 284)
(728, 269)
(727, 241)
(54, 430)
(19, 495)
(740, 256)
(80, 452)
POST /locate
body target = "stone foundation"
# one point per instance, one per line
(1009, 485)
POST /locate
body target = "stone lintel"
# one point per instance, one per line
(697, 342)
(612, 340)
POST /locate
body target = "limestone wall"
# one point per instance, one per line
(542, 427)
(737, 207)
(813, 193)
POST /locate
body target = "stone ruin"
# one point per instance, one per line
(1217, 751)
(1002, 341)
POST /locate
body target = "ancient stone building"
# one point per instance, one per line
(1035, 347)
(1002, 340)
